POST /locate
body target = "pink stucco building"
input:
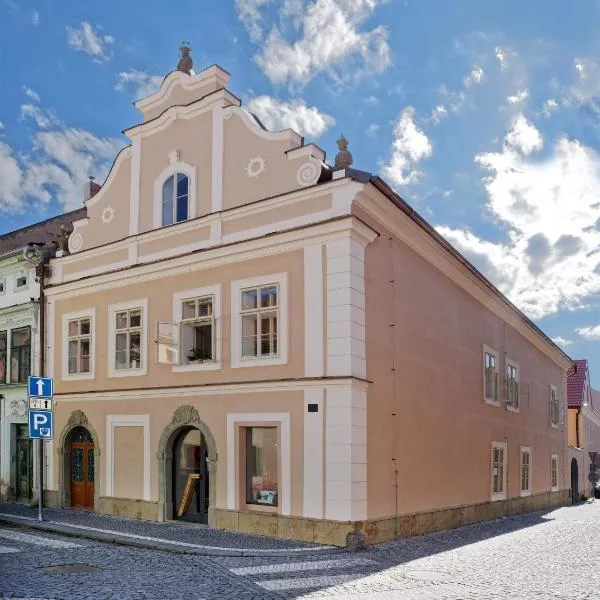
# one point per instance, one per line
(247, 336)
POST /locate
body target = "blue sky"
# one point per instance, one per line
(484, 116)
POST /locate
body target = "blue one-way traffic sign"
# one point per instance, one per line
(40, 424)
(40, 387)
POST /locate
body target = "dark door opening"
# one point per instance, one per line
(574, 481)
(23, 484)
(190, 477)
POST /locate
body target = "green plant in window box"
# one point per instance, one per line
(199, 355)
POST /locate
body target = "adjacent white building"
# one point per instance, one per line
(20, 353)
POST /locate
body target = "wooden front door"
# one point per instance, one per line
(82, 469)
(24, 464)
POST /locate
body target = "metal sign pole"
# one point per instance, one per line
(40, 479)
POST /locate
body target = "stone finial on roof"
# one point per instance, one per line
(185, 63)
(343, 158)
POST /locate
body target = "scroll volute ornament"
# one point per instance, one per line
(184, 415)
(78, 418)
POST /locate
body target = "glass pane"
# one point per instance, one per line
(205, 308)
(20, 337)
(182, 208)
(188, 309)
(134, 350)
(73, 349)
(167, 202)
(90, 465)
(2, 340)
(261, 466)
(135, 318)
(268, 334)
(72, 365)
(268, 296)
(81, 434)
(182, 185)
(122, 320)
(85, 327)
(203, 342)
(77, 464)
(85, 364)
(84, 346)
(249, 335)
(73, 328)
(249, 299)
(121, 342)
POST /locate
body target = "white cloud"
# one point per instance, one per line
(143, 83)
(328, 36)
(248, 12)
(277, 115)
(502, 56)
(372, 129)
(591, 333)
(31, 94)
(85, 39)
(561, 341)
(549, 210)
(474, 77)
(524, 137)
(519, 97)
(437, 114)
(43, 118)
(56, 167)
(35, 18)
(371, 101)
(410, 146)
(549, 107)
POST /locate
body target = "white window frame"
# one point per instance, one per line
(554, 488)
(237, 286)
(113, 309)
(25, 286)
(515, 365)
(496, 354)
(524, 450)
(173, 169)
(178, 298)
(90, 314)
(553, 389)
(498, 495)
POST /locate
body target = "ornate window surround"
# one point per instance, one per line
(175, 166)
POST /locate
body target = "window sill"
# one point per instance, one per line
(514, 409)
(554, 489)
(258, 362)
(207, 366)
(127, 373)
(261, 509)
(496, 497)
(492, 402)
(554, 425)
(78, 376)
(525, 493)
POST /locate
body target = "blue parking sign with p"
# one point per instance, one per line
(40, 424)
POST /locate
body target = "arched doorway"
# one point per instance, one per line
(190, 486)
(82, 468)
(574, 481)
(174, 443)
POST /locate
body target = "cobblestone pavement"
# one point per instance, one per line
(539, 556)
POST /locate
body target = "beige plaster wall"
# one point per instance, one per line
(213, 410)
(572, 427)
(128, 449)
(427, 419)
(159, 293)
(242, 143)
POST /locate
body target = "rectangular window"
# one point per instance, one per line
(512, 385)
(260, 318)
(498, 470)
(554, 472)
(79, 343)
(21, 282)
(128, 339)
(554, 406)
(525, 471)
(3, 355)
(490, 376)
(262, 465)
(198, 329)
(20, 354)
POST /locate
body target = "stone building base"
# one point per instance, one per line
(335, 532)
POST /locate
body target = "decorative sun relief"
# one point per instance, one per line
(108, 214)
(256, 165)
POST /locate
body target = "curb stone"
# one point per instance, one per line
(164, 546)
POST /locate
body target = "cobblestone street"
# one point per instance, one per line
(537, 556)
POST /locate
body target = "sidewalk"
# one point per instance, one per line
(172, 536)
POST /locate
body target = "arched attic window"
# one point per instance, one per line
(175, 199)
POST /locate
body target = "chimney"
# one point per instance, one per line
(90, 188)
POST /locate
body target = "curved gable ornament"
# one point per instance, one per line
(185, 415)
(78, 419)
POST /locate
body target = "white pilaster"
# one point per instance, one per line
(312, 505)
(313, 311)
(346, 352)
(217, 159)
(134, 192)
(346, 454)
